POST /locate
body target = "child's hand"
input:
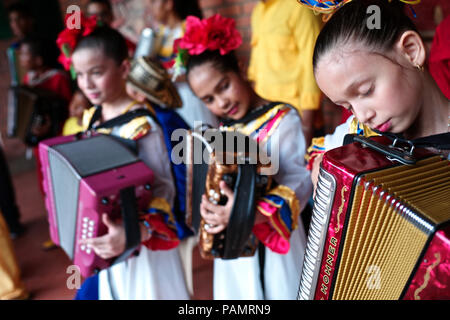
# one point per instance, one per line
(112, 243)
(315, 171)
(216, 216)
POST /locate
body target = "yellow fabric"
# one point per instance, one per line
(283, 38)
(71, 126)
(168, 36)
(135, 129)
(355, 126)
(11, 286)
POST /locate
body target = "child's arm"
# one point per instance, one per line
(159, 219)
(281, 206)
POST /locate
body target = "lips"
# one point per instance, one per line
(384, 127)
(233, 110)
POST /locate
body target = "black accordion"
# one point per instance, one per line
(215, 155)
(31, 107)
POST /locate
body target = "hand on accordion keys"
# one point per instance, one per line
(217, 216)
(112, 243)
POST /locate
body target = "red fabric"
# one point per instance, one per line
(40, 177)
(439, 63)
(270, 238)
(270, 232)
(163, 237)
(59, 83)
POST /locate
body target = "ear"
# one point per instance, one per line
(125, 67)
(412, 48)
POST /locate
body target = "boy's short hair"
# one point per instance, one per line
(42, 47)
(21, 8)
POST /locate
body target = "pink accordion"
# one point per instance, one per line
(84, 177)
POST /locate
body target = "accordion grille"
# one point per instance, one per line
(393, 213)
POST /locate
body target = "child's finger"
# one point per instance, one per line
(226, 190)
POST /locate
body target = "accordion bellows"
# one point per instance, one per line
(84, 177)
(379, 230)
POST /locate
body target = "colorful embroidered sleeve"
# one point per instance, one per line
(317, 147)
(281, 209)
(161, 223)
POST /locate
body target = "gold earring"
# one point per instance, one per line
(419, 67)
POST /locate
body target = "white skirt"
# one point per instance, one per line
(238, 279)
(152, 275)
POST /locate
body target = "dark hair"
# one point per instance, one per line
(350, 23)
(223, 63)
(21, 8)
(184, 8)
(42, 47)
(107, 39)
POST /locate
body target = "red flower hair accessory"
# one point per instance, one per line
(215, 33)
(68, 38)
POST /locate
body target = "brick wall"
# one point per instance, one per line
(240, 10)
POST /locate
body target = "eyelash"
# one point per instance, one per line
(368, 92)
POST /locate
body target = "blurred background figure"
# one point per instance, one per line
(283, 38)
(169, 17)
(78, 104)
(11, 285)
(102, 9)
(439, 63)
(21, 23)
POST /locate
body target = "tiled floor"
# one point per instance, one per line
(44, 272)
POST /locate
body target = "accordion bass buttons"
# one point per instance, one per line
(87, 231)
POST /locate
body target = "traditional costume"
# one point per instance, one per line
(278, 131)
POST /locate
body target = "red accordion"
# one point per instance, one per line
(380, 229)
(85, 177)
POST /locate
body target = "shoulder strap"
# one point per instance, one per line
(119, 120)
(252, 115)
(438, 141)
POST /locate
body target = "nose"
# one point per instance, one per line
(364, 114)
(85, 82)
(222, 102)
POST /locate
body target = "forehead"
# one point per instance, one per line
(339, 68)
(88, 57)
(203, 78)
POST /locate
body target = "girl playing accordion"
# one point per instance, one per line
(213, 73)
(100, 60)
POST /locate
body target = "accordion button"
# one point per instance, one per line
(88, 251)
(83, 247)
(91, 223)
(90, 235)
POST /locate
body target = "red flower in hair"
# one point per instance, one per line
(214, 33)
(68, 38)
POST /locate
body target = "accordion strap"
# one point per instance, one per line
(252, 115)
(119, 120)
(242, 217)
(439, 141)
